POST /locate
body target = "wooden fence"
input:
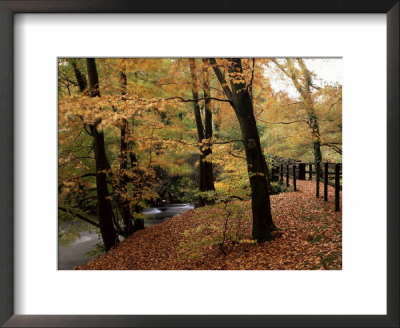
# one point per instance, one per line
(328, 173)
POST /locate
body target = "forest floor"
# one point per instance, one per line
(217, 237)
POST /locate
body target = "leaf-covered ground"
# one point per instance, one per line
(309, 238)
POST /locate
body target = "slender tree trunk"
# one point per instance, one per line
(208, 166)
(309, 104)
(138, 224)
(315, 135)
(206, 180)
(123, 179)
(81, 79)
(104, 209)
(256, 166)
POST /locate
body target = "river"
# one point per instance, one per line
(75, 253)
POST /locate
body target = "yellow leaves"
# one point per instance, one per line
(255, 174)
(247, 241)
(69, 184)
(237, 77)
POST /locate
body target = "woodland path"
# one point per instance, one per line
(309, 237)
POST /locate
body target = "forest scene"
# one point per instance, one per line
(200, 163)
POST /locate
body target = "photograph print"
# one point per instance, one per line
(200, 163)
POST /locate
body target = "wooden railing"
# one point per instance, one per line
(296, 170)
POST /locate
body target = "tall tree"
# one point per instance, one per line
(302, 80)
(204, 132)
(125, 149)
(80, 78)
(240, 99)
(123, 177)
(208, 128)
(104, 209)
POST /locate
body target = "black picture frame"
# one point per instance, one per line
(7, 10)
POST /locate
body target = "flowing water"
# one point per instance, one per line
(75, 253)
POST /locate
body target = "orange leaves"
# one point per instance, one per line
(298, 215)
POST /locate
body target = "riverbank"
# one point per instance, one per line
(82, 249)
(218, 237)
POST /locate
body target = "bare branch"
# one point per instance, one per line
(331, 106)
(237, 156)
(333, 147)
(194, 100)
(79, 216)
(227, 141)
(291, 122)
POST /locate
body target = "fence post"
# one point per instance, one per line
(337, 186)
(310, 171)
(281, 172)
(294, 177)
(287, 175)
(317, 165)
(302, 171)
(326, 171)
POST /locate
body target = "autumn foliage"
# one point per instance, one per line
(309, 238)
(137, 132)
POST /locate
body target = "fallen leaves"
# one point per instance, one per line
(309, 238)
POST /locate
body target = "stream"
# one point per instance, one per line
(76, 252)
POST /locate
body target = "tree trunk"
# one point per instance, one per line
(138, 225)
(123, 181)
(81, 79)
(123, 167)
(208, 166)
(309, 104)
(315, 135)
(256, 166)
(104, 209)
(206, 180)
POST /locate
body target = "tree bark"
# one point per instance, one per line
(208, 166)
(123, 179)
(206, 180)
(104, 209)
(81, 79)
(240, 99)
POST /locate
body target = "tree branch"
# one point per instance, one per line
(221, 79)
(250, 86)
(227, 141)
(331, 106)
(291, 122)
(333, 147)
(63, 209)
(194, 100)
(237, 156)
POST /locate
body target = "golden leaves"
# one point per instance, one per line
(190, 240)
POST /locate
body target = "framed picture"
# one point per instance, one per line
(166, 92)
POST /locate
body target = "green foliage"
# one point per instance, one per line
(226, 228)
(278, 187)
(184, 190)
(317, 239)
(97, 250)
(70, 228)
(308, 218)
